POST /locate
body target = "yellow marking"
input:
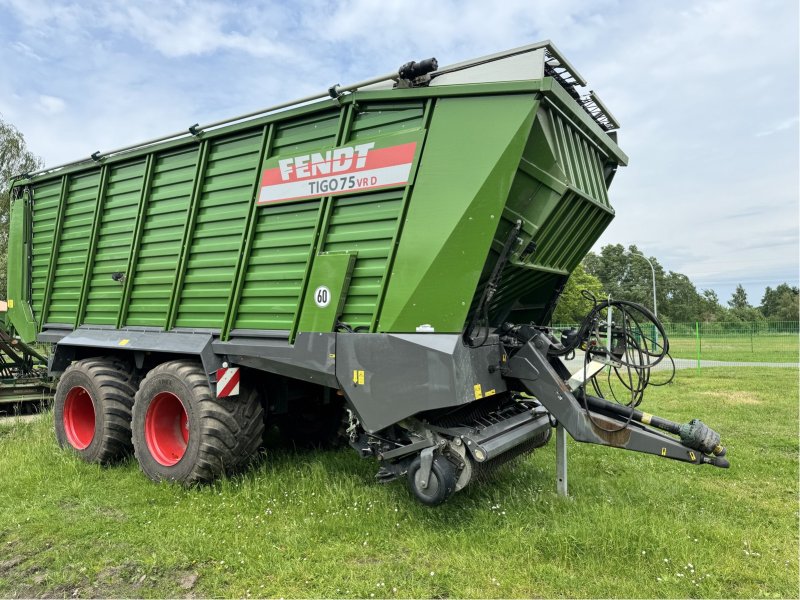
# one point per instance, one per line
(490, 393)
(478, 391)
(355, 376)
(123, 342)
(663, 452)
(718, 449)
(361, 378)
(646, 418)
(331, 356)
(10, 304)
(692, 456)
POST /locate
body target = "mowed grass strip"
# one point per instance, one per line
(317, 525)
(781, 348)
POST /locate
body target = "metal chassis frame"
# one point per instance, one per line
(546, 381)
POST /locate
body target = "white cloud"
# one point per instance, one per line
(26, 50)
(50, 105)
(781, 126)
(202, 28)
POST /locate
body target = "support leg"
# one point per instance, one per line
(561, 460)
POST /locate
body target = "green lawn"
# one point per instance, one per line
(316, 525)
(738, 348)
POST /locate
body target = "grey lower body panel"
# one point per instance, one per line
(312, 357)
(385, 377)
(85, 341)
(389, 377)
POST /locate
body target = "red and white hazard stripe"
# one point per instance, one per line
(227, 382)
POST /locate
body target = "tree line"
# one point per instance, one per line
(624, 274)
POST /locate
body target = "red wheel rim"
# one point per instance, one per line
(79, 417)
(166, 428)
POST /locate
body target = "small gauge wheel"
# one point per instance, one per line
(441, 483)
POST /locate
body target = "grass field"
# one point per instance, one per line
(316, 525)
(738, 348)
(743, 342)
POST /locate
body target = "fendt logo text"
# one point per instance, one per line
(344, 170)
(339, 160)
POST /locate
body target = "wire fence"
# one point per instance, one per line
(715, 344)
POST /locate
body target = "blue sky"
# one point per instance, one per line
(706, 92)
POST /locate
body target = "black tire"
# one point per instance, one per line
(543, 438)
(92, 408)
(215, 436)
(441, 485)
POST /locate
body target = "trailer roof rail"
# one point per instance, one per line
(599, 112)
(555, 66)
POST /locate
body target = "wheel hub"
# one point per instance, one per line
(166, 429)
(79, 418)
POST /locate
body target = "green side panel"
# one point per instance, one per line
(45, 212)
(284, 235)
(309, 132)
(70, 256)
(560, 195)
(379, 118)
(164, 221)
(577, 158)
(113, 242)
(422, 251)
(366, 225)
(19, 313)
(225, 199)
(468, 163)
(326, 292)
(282, 244)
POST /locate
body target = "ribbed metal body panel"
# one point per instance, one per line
(165, 211)
(45, 216)
(560, 194)
(364, 225)
(177, 236)
(72, 247)
(212, 250)
(274, 278)
(114, 239)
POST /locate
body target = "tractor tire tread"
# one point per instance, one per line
(115, 381)
(230, 428)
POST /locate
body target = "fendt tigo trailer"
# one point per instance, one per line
(390, 251)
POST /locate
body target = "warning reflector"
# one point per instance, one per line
(227, 382)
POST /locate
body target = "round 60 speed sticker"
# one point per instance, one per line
(322, 296)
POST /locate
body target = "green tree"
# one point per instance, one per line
(711, 309)
(623, 275)
(15, 158)
(738, 299)
(572, 306)
(627, 276)
(683, 301)
(741, 309)
(782, 303)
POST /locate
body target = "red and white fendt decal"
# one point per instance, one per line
(339, 171)
(227, 382)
